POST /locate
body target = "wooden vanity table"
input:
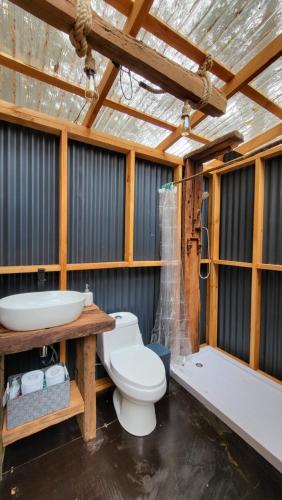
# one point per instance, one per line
(83, 389)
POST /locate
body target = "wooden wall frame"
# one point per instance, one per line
(257, 264)
(66, 130)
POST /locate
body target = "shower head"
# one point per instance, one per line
(205, 195)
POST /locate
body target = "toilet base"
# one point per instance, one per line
(138, 419)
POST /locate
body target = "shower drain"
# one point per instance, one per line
(199, 365)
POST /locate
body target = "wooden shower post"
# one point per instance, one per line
(191, 248)
(191, 238)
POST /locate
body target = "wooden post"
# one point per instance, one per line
(177, 176)
(2, 448)
(191, 249)
(207, 325)
(257, 259)
(214, 251)
(85, 379)
(129, 207)
(63, 221)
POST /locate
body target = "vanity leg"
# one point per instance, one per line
(2, 449)
(85, 379)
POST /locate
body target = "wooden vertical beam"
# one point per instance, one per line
(214, 249)
(2, 448)
(129, 207)
(207, 325)
(177, 176)
(257, 259)
(63, 220)
(85, 379)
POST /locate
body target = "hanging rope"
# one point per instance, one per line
(78, 37)
(207, 91)
(81, 27)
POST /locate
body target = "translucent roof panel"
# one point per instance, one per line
(183, 146)
(270, 82)
(242, 114)
(33, 94)
(162, 106)
(29, 39)
(127, 127)
(233, 32)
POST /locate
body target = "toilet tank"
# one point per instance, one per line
(126, 333)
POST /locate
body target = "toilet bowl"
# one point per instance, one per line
(137, 372)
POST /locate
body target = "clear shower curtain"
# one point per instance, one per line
(171, 325)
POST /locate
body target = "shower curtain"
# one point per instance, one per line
(171, 325)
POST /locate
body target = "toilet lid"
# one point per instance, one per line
(138, 366)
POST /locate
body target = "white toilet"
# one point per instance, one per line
(137, 372)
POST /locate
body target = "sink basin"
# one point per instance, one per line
(32, 311)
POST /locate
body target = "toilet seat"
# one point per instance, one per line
(138, 366)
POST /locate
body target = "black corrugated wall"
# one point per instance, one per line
(236, 237)
(271, 321)
(29, 180)
(272, 242)
(149, 177)
(271, 281)
(236, 215)
(234, 310)
(96, 191)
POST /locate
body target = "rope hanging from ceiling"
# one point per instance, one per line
(78, 38)
(202, 71)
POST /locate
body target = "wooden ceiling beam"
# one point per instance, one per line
(56, 81)
(260, 139)
(243, 77)
(125, 50)
(135, 17)
(167, 34)
(38, 74)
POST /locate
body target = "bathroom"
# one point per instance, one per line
(140, 285)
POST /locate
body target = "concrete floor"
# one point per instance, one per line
(191, 455)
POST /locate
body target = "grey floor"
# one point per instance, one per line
(191, 455)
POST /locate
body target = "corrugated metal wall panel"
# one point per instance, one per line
(149, 177)
(29, 179)
(271, 324)
(96, 204)
(124, 289)
(272, 240)
(20, 283)
(234, 310)
(236, 215)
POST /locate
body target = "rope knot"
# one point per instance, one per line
(207, 88)
(81, 27)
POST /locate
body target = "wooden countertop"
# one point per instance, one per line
(92, 321)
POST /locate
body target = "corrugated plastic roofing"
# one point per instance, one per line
(233, 31)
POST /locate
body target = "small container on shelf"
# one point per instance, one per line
(54, 395)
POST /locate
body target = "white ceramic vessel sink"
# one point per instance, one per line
(32, 311)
